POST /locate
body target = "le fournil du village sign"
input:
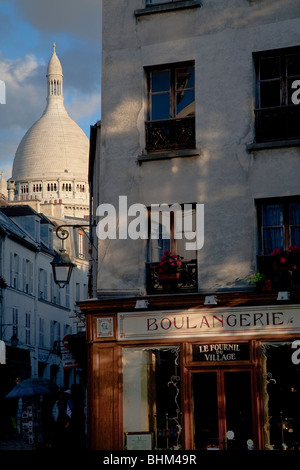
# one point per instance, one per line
(222, 321)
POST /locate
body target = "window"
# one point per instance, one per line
(27, 276)
(55, 336)
(27, 328)
(151, 394)
(15, 321)
(276, 117)
(279, 229)
(43, 289)
(14, 270)
(67, 296)
(279, 223)
(80, 244)
(172, 229)
(171, 108)
(280, 393)
(41, 332)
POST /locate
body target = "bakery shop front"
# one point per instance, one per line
(176, 374)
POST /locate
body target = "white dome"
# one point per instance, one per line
(55, 146)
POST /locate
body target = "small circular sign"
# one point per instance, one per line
(230, 435)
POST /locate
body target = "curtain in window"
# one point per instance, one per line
(295, 223)
(158, 245)
(272, 227)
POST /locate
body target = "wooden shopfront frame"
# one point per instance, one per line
(105, 370)
(220, 367)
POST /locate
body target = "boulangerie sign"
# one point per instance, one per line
(208, 322)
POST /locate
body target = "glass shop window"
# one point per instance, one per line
(151, 395)
(281, 395)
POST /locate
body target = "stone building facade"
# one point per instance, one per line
(199, 109)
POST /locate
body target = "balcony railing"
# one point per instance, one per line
(277, 123)
(187, 282)
(170, 134)
(282, 278)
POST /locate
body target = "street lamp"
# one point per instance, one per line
(62, 268)
(62, 265)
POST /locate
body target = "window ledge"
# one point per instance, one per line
(167, 155)
(272, 145)
(160, 8)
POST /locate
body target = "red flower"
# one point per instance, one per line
(275, 252)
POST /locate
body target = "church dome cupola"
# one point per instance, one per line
(54, 77)
(51, 161)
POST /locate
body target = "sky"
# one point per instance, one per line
(28, 29)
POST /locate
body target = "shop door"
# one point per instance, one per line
(223, 411)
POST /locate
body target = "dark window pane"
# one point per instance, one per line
(293, 64)
(269, 68)
(185, 78)
(160, 106)
(295, 223)
(295, 214)
(272, 227)
(281, 382)
(295, 236)
(273, 238)
(238, 409)
(185, 103)
(270, 94)
(272, 215)
(206, 416)
(160, 81)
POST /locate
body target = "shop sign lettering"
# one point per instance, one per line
(140, 325)
(220, 352)
(205, 321)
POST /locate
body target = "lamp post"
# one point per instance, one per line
(62, 266)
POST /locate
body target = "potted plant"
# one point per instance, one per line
(261, 281)
(169, 266)
(286, 259)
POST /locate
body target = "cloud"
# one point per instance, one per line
(28, 29)
(24, 91)
(82, 106)
(78, 17)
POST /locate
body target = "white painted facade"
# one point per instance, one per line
(33, 307)
(225, 172)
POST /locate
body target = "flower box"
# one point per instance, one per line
(285, 267)
(167, 277)
(286, 259)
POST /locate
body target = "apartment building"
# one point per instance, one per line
(194, 320)
(36, 315)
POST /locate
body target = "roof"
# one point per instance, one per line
(12, 229)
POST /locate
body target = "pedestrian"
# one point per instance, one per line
(62, 414)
